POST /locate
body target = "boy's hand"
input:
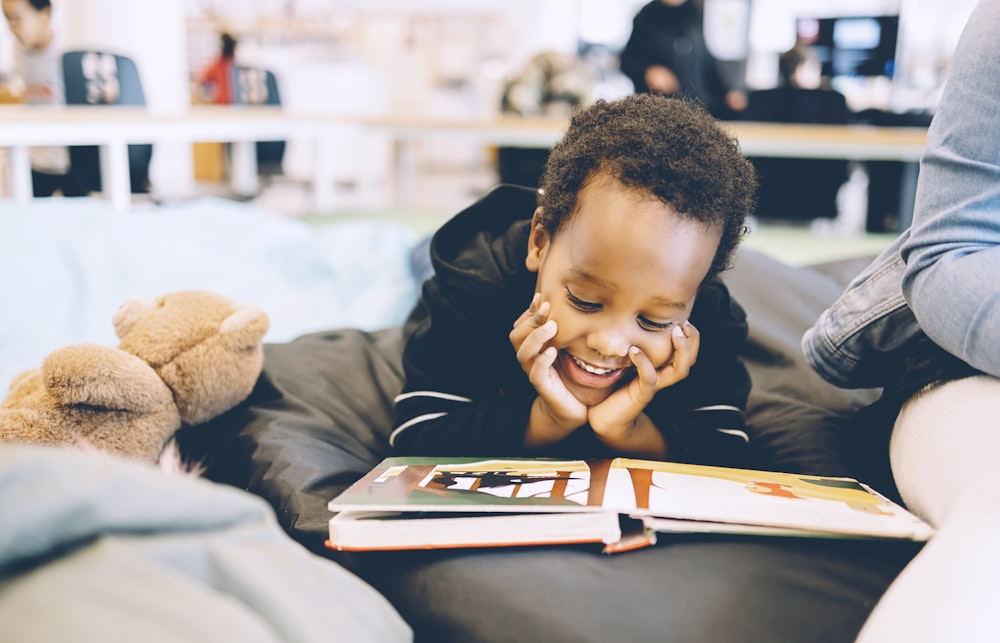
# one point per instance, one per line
(615, 417)
(532, 331)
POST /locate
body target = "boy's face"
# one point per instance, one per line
(623, 272)
(30, 26)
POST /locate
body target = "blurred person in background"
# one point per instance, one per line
(38, 80)
(795, 188)
(666, 53)
(216, 79)
(802, 96)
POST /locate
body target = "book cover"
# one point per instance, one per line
(667, 496)
(385, 530)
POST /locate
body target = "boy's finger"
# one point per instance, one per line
(685, 353)
(532, 307)
(541, 314)
(693, 337)
(644, 368)
(537, 314)
(534, 343)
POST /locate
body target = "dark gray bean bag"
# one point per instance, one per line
(320, 417)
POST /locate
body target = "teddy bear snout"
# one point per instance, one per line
(128, 313)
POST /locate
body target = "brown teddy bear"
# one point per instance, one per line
(184, 358)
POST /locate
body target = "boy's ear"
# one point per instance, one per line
(538, 243)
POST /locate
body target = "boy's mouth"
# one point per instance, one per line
(596, 370)
(589, 375)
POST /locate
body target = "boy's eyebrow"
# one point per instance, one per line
(594, 279)
(597, 281)
(662, 301)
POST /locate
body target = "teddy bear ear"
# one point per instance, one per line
(245, 327)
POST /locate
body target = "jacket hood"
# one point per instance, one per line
(488, 241)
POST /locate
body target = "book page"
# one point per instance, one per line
(631, 487)
(747, 496)
(515, 479)
(469, 484)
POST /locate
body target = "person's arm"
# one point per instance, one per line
(643, 49)
(952, 278)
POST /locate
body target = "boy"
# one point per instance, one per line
(38, 61)
(571, 329)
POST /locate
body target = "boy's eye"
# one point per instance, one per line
(649, 324)
(592, 307)
(585, 306)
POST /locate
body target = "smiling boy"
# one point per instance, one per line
(588, 320)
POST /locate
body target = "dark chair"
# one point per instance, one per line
(795, 188)
(891, 184)
(102, 78)
(256, 86)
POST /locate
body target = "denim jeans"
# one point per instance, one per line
(942, 276)
(856, 341)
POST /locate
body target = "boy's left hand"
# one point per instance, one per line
(616, 416)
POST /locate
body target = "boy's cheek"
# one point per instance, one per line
(660, 351)
(563, 323)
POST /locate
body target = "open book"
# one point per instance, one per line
(413, 503)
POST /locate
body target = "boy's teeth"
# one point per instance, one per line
(592, 369)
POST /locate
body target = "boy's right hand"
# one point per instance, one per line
(531, 333)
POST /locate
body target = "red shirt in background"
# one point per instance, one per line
(216, 78)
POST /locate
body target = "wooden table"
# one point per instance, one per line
(849, 142)
(853, 142)
(113, 128)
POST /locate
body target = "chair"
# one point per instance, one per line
(795, 188)
(256, 86)
(102, 78)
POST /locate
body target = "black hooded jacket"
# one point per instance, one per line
(465, 392)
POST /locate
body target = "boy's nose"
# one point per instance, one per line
(611, 341)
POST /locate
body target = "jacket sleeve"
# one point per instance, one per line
(952, 277)
(452, 402)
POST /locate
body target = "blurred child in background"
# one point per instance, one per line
(39, 81)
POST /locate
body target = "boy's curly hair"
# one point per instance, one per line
(669, 148)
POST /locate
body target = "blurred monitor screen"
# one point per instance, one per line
(852, 45)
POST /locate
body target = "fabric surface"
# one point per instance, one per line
(97, 548)
(798, 422)
(70, 263)
(321, 415)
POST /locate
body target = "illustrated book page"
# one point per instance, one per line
(637, 488)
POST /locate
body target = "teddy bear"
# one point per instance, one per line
(183, 358)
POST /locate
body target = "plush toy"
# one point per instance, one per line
(184, 358)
